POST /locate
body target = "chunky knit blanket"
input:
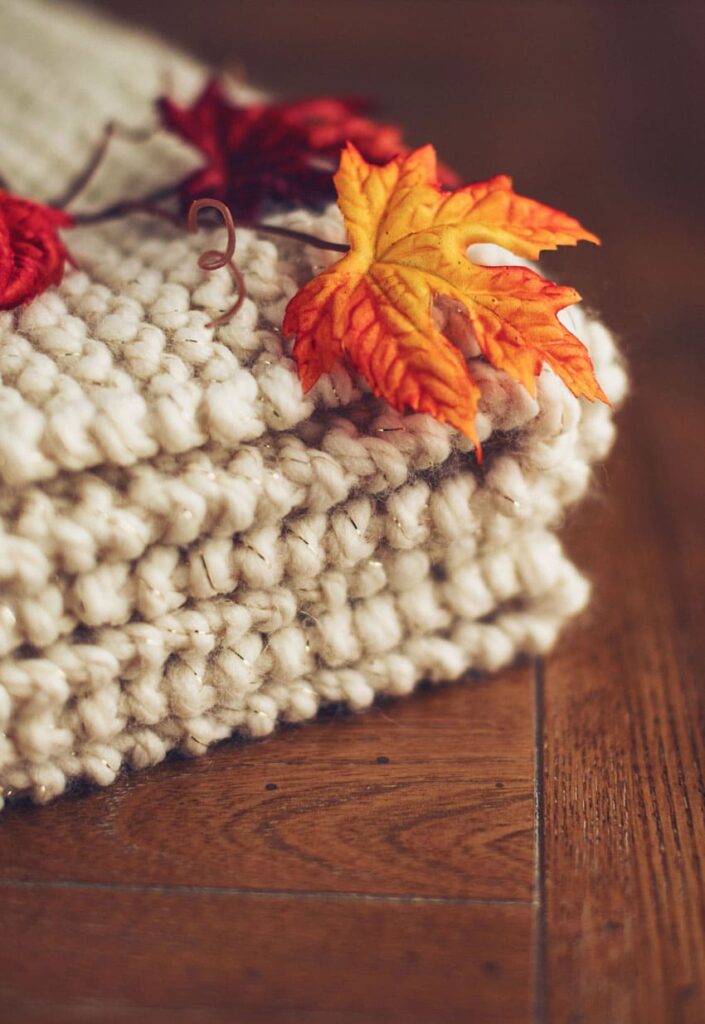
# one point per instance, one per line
(189, 546)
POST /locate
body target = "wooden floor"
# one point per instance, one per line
(522, 848)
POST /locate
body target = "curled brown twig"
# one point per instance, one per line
(214, 259)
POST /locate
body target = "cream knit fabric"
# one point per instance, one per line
(190, 546)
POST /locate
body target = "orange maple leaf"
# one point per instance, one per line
(408, 246)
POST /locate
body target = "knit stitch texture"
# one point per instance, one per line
(189, 546)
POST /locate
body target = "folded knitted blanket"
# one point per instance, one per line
(189, 545)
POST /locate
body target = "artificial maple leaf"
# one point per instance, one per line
(276, 152)
(32, 255)
(205, 124)
(408, 245)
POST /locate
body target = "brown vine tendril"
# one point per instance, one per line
(214, 259)
(80, 183)
(148, 205)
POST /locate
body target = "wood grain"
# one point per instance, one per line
(449, 812)
(624, 738)
(118, 955)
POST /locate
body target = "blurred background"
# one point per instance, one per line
(594, 106)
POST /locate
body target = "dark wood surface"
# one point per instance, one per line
(623, 728)
(448, 816)
(524, 848)
(389, 876)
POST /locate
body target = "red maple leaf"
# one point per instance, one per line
(276, 152)
(32, 255)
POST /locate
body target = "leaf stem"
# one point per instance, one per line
(300, 236)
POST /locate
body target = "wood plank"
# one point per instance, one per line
(430, 796)
(73, 954)
(624, 732)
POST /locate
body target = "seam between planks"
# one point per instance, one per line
(218, 890)
(539, 900)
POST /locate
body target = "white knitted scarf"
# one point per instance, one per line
(189, 546)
